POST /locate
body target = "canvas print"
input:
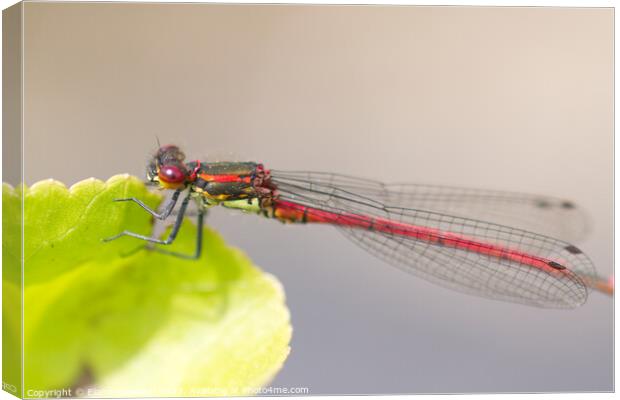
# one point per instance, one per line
(206, 200)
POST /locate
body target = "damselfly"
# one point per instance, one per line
(451, 236)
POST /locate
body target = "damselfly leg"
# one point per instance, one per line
(167, 209)
(175, 228)
(198, 249)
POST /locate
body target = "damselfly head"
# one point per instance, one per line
(167, 169)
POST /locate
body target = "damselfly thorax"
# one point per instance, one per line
(245, 186)
(223, 181)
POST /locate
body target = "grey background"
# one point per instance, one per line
(504, 98)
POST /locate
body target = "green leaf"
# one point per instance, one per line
(147, 324)
(63, 228)
(11, 290)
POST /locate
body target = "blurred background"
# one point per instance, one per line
(503, 98)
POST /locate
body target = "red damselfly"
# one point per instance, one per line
(458, 238)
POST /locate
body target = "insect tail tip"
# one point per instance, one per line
(610, 285)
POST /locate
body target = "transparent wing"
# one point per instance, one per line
(474, 273)
(547, 215)
(477, 257)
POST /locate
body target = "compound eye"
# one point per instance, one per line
(171, 174)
